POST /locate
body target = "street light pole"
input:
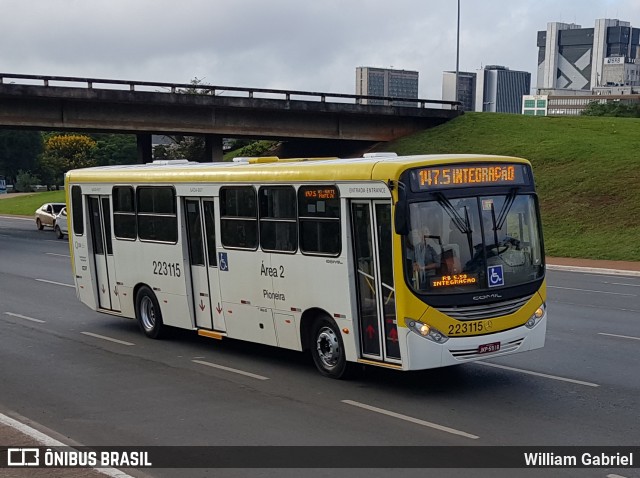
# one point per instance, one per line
(458, 50)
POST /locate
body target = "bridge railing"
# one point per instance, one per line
(195, 88)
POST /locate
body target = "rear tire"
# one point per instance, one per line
(59, 232)
(39, 224)
(327, 349)
(148, 314)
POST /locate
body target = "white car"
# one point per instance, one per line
(61, 227)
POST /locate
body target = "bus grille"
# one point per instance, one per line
(487, 311)
(470, 354)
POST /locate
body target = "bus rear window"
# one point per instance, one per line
(76, 208)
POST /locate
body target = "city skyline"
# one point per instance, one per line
(283, 44)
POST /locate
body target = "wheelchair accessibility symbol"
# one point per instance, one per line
(496, 276)
(222, 261)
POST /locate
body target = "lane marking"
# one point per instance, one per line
(56, 283)
(615, 476)
(103, 337)
(229, 369)
(59, 255)
(589, 290)
(620, 336)
(538, 374)
(622, 283)
(17, 217)
(407, 418)
(594, 270)
(596, 306)
(46, 440)
(26, 318)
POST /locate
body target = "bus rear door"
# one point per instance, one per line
(203, 262)
(100, 222)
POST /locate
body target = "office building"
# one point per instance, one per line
(572, 57)
(573, 102)
(386, 82)
(500, 90)
(466, 88)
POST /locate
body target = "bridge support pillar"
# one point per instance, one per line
(212, 148)
(145, 154)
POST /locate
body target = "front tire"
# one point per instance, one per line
(59, 234)
(148, 314)
(39, 224)
(327, 349)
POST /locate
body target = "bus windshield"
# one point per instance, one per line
(473, 244)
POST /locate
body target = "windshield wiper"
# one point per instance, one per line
(502, 217)
(463, 225)
(506, 207)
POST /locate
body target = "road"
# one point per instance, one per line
(93, 379)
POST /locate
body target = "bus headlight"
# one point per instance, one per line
(426, 331)
(535, 318)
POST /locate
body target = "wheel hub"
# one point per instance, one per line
(328, 347)
(147, 314)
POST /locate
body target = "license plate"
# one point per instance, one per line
(488, 348)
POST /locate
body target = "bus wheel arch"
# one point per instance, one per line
(322, 337)
(148, 312)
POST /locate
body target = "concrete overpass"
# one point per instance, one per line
(145, 108)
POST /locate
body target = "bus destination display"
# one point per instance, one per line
(321, 193)
(443, 177)
(454, 280)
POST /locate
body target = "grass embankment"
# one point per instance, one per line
(26, 204)
(587, 171)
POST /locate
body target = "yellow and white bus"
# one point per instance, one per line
(407, 263)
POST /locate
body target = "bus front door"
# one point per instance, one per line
(371, 223)
(203, 261)
(100, 218)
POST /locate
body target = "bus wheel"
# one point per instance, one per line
(148, 313)
(327, 349)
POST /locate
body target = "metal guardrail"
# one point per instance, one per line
(220, 90)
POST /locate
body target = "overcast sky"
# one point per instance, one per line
(285, 44)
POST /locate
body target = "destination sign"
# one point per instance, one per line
(468, 175)
(454, 280)
(321, 193)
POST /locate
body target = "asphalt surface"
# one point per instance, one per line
(84, 378)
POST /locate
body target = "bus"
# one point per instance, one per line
(320, 255)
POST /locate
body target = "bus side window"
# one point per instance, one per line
(319, 220)
(239, 217)
(278, 213)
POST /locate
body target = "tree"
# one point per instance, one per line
(612, 108)
(65, 152)
(115, 149)
(188, 147)
(19, 150)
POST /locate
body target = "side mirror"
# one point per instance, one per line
(400, 218)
